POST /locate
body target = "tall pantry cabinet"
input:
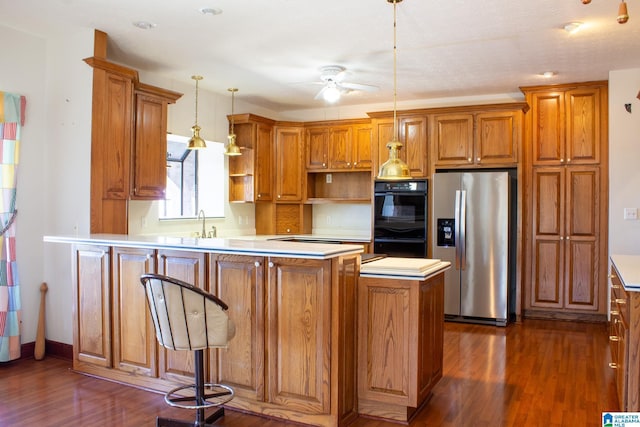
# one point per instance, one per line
(566, 201)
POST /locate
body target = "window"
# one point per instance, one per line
(195, 180)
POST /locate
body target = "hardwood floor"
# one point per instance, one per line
(535, 373)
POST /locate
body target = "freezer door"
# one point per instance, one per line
(445, 186)
(485, 277)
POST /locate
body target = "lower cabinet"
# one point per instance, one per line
(294, 352)
(626, 377)
(401, 333)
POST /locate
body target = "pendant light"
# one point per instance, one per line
(394, 168)
(196, 143)
(623, 14)
(232, 148)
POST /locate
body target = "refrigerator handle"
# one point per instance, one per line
(456, 228)
(463, 230)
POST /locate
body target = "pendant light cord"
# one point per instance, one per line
(233, 93)
(395, 78)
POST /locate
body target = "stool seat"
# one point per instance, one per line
(187, 318)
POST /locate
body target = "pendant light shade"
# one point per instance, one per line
(623, 15)
(196, 142)
(232, 149)
(394, 168)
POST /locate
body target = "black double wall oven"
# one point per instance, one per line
(400, 218)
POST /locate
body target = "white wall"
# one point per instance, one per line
(624, 160)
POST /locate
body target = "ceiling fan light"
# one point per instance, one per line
(331, 93)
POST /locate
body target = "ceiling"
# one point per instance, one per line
(272, 50)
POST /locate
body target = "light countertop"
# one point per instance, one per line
(404, 268)
(629, 268)
(258, 247)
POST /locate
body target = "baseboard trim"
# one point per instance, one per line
(51, 348)
(574, 317)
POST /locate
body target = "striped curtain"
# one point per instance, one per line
(12, 108)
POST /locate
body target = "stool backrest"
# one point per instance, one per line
(186, 317)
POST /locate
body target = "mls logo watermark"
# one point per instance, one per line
(621, 419)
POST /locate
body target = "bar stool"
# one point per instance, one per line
(188, 318)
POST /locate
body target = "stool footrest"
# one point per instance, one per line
(215, 395)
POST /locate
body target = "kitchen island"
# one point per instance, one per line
(295, 352)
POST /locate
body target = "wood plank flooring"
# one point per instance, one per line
(535, 373)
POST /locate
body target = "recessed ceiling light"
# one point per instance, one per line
(548, 74)
(144, 25)
(573, 27)
(210, 11)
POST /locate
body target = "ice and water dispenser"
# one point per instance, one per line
(445, 232)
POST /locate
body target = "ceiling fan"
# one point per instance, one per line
(331, 77)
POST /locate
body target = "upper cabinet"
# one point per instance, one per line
(128, 140)
(568, 126)
(250, 174)
(338, 147)
(288, 160)
(478, 138)
(412, 133)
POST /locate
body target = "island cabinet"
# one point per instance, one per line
(294, 353)
(471, 138)
(565, 195)
(251, 173)
(401, 333)
(624, 327)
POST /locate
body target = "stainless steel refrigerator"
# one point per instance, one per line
(474, 227)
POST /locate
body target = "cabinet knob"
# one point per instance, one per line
(355, 163)
(469, 159)
(568, 160)
(621, 301)
(561, 160)
(612, 276)
(257, 264)
(561, 238)
(259, 195)
(614, 338)
(324, 165)
(613, 365)
(477, 159)
(270, 264)
(615, 287)
(288, 230)
(615, 313)
(278, 196)
(568, 237)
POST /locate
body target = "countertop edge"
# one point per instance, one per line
(436, 269)
(216, 245)
(628, 267)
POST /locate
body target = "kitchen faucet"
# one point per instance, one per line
(204, 230)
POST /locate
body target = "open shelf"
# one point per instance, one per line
(347, 187)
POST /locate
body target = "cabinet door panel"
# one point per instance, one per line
(548, 203)
(454, 139)
(497, 138)
(299, 319)
(92, 298)
(581, 274)
(134, 346)
(547, 274)
(188, 267)
(583, 201)
(583, 125)
(340, 147)
(289, 166)
(414, 138)
(264, 163)
(317, 145)
(239, 282)
(362, 149)
(150, 171)
(547, 110)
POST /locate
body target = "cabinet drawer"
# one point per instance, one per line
(619, 298)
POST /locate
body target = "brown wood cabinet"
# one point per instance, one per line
(566, 193)
(342, 146)
(490, 138)
(622, 304)
(294, 352)
(92, 304)
(251, 174)
(239, 281)
(289, 149)
(412, 133)
(401, 328)
(135, 349)
(569, 124)
(128, 140)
